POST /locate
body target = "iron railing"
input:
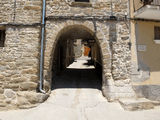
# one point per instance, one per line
(138, 4)
(151, 2)
(146, 2)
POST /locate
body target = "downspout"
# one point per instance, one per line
(14, 13)
(42, 46)
(129, 16)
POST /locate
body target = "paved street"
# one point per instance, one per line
(76, 95)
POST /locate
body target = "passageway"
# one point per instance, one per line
(80, 74)
(76, 71)
(76, 60)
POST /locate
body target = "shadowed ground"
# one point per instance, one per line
(77, 78)
(80, 74)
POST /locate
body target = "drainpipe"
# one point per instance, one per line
(129, 16)
(42, 46)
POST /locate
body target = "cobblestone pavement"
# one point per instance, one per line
(76, 95)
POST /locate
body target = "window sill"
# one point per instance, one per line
(81, 4)
(157, 41)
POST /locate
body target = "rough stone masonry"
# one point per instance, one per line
(19, 58)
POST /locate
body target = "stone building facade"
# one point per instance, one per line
(104, 21)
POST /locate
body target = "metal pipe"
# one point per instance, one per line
(42, 46)
(129, 16)
(111, 8)
(14, 13)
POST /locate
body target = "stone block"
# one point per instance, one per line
(30, 71)
(151, 92)
(1, 90)
(9, 93)
(42, 97)
(106, 57)
(2, 76)
(137, 104)
(34, 78)
(21, 101)
(33, 97)
(2, 104)
(2, 97)
(28, 86)
(32, 8)
(14, 86)
(17, 80)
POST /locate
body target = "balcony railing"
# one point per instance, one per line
(147, 9)
(151, 2)
(146, 2)
(138, 4)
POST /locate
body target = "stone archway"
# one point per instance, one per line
(100, 31)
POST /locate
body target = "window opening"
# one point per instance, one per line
(2, 37)
(81, 0)
(157, 33)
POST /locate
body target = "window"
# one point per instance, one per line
(81, 3)
(81, 0)
(157, 32)
(2, 37)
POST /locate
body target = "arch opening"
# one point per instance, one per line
(77, 59)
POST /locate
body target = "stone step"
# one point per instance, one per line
(132, 104)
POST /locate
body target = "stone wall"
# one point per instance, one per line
(115, 53)
(20, 11)
(19, 59)
(6, 11)
(19, 63)
(119, 85)
(98, 8)
(121, 60)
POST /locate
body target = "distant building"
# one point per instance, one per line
(145, 39)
